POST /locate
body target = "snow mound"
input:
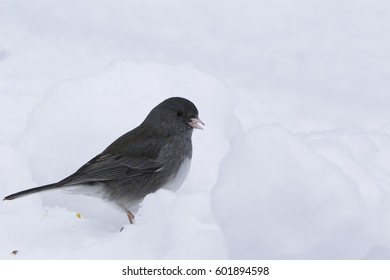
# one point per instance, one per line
(286, 196)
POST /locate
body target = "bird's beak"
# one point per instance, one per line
(194, 123)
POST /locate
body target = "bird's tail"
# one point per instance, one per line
(33, 190)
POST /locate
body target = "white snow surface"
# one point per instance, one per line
(294, 160)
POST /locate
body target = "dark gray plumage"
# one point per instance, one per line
(155, 154)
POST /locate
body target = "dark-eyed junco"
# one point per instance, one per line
(154, 155)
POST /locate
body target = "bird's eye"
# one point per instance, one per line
(180, 113)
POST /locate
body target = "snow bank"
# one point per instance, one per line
(263, 193)
(286, 196)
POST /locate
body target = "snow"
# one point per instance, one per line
(301, 203)
(294, 160)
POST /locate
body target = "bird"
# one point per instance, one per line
(156, 154)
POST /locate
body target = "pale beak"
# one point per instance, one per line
(195, 123)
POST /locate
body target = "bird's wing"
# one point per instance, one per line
(107, 167)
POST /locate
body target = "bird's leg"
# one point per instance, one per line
(130, 215)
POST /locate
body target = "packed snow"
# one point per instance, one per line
(294, 160)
